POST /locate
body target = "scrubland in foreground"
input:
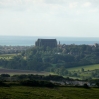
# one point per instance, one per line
(23, 92)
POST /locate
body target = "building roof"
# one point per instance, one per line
(47, 40)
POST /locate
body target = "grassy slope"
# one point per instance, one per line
(89, 67)
(21, 92)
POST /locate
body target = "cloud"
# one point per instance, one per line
(87, 4)
(73, 4)
(49, 8)
(49, 4)
(48, 16)
(94, 10)
(55, 1)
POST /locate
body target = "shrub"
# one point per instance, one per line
(86, 86)
(36, 83)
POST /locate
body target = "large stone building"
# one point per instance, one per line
(46, 42)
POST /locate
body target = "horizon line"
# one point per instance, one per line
(48, 36)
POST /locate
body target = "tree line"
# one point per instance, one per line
(53, 59)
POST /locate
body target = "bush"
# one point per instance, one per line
(5, 75)
(36, 83)
(2, 84)
(86, 86)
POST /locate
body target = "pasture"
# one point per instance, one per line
(7, 56)
(22, 92)
(19, 72)
(86, 68)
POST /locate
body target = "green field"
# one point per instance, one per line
(21, 92)
(7, 56)
(19, 72)
(89, 67)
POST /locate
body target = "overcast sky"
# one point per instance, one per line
(69, 18)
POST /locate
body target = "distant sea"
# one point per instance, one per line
(30, 40)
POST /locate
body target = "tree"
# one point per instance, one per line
(82, 69)
(86, 86)
(5, 75)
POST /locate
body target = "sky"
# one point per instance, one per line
(65, 18)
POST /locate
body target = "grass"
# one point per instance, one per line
(21, 92)
(7, 56)
(87, 74)
(89, 67)
(19, 72)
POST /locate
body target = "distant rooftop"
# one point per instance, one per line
(46, 42)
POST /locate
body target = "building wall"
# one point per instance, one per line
(46, 42)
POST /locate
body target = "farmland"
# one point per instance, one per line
(23, 92)
(18, 72)
(7, 56)
(85, 72)
(89, 71)
(89, 67)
